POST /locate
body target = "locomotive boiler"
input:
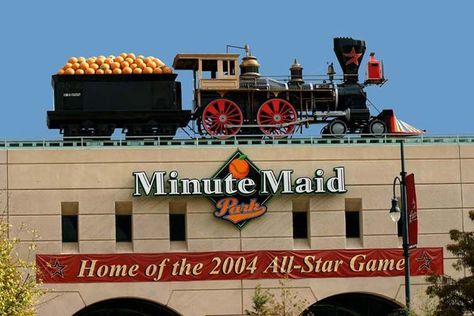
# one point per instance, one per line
(229, 99)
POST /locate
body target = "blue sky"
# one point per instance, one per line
(426, 47)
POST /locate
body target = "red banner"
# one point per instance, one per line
(412, 211)
(199, 266)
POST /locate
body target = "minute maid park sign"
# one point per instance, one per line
(239, 189)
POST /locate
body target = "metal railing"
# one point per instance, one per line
(166, 141)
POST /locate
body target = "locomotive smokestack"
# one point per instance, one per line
(349, 53)
(296, 72)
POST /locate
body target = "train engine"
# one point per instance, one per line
(228, 103)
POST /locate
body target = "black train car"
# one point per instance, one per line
(141, 105)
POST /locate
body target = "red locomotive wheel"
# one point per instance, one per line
(277, 112)
(218, 115)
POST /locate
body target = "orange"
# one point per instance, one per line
(138, 60)
(123, 55)
(101, 57)
(109, 61)
(99, 72)
(105, 66)
(69, 71)
(94, 66)
(124, 64)
(117, 71)
(99, 61)
(147, 60)
(79, 72)
(148, 70)
(157, 71)
(166, 70)
(72, 60)
(84, 65)
(111, 57)
(140, 56)
(129, 60)
(115, 65)
(91, 60)
(142, 66)
(119, 59)
(133, 66)
(151, 64)
(158, 62)
(67, 65)
(90, 71)
(107, 71)
(127, 70)
(61, 71)
(137, 70)
(81, 60)
(131, 55)
(75, 66)
(239, 168)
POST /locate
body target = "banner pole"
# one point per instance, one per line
(406, 252)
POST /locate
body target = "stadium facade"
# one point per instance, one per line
(184, 229)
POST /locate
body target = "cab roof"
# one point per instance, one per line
(191, 61)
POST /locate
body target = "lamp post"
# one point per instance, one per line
(395, 215)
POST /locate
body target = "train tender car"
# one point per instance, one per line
(228, 103)
(93, 105)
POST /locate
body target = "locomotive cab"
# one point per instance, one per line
(210, 71)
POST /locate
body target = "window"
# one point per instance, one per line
(177, 227)
(352, 224)
(123, 228)
(353, 213)
(69, 228)
(69, 222)
(229, 67)
(300, 225)
(209, 69)
(123, 221)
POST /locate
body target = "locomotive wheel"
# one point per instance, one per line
(325, 132)
(337, 128)
(277, 111)
(220, 113)
(377, 127)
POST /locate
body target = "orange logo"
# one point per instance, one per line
(241, 206)
(239, 168)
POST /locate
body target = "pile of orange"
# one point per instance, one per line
(122, 64)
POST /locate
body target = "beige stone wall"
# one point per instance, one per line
(33, 184)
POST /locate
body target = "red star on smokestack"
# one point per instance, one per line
(354, 57)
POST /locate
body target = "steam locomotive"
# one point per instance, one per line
(228, 100)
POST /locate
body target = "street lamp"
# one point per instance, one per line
(395, 214)
(395, 210)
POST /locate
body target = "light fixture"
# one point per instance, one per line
(395, 212)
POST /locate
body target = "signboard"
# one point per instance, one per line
(239, 189)
(237, 265)
(412, 211)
